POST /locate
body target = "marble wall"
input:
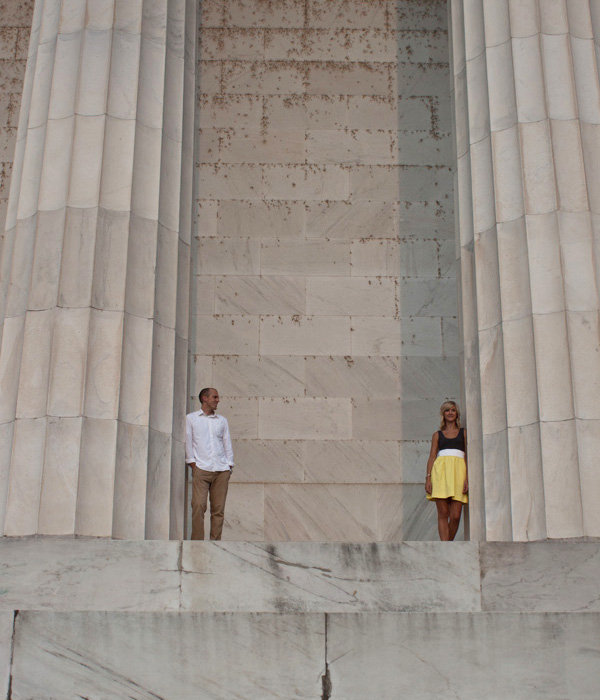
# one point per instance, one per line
(324, 296)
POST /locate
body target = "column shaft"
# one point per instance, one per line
(90, 276)
(537, 273)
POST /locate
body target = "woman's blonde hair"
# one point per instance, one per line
(443, 407)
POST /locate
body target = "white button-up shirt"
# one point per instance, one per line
(208, 442)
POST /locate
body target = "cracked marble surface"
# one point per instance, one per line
(308, 576)
(155, 619)
(145, 656)
(540, 576)
(6, 633)
(467, 656)
(88, 574)
(66, 574)
(263, 655)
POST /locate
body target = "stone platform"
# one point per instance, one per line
(158, 619)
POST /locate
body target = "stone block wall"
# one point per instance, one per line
(323, 277)
(15, 25)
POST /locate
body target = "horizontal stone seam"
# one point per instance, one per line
(475, 57)
(540, 421)
(298, 96)
(316, 167)
(517, 318)
(108, 310)
(482, 139)
(88, 417)
(540, 33)
(317, 62)
(100, 30)
(79, 114)
(301, 31)
(500, 43)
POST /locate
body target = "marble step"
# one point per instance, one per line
(183, 655)
(76, 574)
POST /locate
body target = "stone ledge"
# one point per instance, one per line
(77, 574)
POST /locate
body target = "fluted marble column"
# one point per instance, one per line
(94, 268)
(527, 111)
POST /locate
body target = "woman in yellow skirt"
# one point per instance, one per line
(447, 482)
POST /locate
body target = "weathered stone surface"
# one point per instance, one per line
(360, 296)
(305, 335)
(298, 418)
(256, 376)
(353, 376)
(324, 513)
(301, 577)
(75, 574)
(387, 653)
(227, 335)
(424, 655)
(259, 219)
(242, 415)
(6, 643)
(67, 574)
(541, 576)
(244, 517)
(185, 655)
(405, 514)
(263, 461)
(352, 461)
(14, 33)
(260, 295)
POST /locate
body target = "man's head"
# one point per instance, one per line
(209, 400)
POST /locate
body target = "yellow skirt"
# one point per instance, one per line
(447, 478)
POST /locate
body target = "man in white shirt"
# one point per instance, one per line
(208, 451)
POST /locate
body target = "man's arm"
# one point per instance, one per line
(227, 444)
(189, 450)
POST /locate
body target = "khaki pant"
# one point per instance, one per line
(216, 484)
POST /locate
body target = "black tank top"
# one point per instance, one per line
(455, 443)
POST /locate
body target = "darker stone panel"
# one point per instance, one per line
(548, 576)
(16, 13)
(15, 25)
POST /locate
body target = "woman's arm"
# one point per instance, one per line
(432, 455)
(466, 483)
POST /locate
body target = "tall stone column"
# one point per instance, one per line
(94, 273)
(527, 110)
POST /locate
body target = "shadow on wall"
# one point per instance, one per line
(426, 268)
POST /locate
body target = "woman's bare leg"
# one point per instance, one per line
(455, 510)
(443, 512)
